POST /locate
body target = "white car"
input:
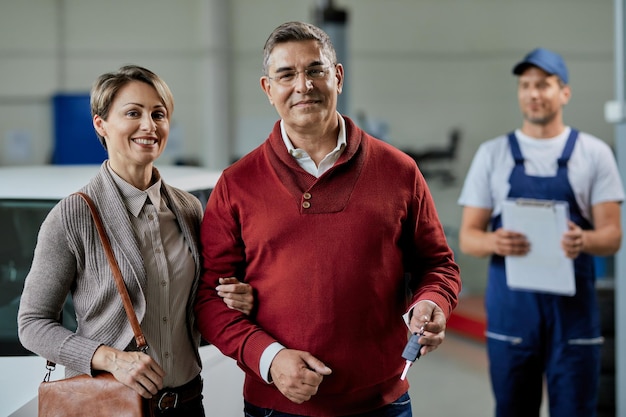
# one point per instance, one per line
(27, 194)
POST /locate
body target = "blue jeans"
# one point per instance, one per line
(399, 408)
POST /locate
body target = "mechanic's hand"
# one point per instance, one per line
(507, 243)
(573, 240)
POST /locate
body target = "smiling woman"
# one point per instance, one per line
(131, 116)
(27, 194)
(153, 229)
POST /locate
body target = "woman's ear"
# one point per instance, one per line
(98, 124)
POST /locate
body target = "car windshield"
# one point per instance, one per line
(19, 222)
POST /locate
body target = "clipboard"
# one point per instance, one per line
(545, 268)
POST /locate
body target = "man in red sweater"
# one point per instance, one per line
(338, 234)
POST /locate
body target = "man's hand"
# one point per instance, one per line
(432, 318)
(297, 374)
(237, 295)
(572, 242)
(506, 242)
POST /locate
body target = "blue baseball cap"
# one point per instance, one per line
(549, 61)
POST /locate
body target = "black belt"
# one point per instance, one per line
(170, 398)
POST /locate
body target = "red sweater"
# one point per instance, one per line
(327, 258)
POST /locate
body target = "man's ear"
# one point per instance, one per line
(339, 74)
(566, 94)
(266, 86)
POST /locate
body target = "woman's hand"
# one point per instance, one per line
(237, 295)
(133, 369)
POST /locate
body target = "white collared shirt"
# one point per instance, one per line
(303, 158)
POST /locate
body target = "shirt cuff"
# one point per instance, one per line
(407, 316)
(267, 357)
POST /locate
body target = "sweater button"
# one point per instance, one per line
(307, 196)
(306, 204)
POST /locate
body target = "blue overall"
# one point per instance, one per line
(532, 333)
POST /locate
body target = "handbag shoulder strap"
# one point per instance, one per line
(140, 339)
(117, 274)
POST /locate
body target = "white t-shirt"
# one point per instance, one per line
(592, 170)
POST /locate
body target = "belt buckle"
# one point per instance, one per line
(168, 400)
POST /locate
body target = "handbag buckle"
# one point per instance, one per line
(50, 366)
(168, 400)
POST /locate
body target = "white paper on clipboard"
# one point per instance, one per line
(545, 268)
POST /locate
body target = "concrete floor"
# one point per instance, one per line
(454, 381)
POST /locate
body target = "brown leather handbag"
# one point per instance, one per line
(101, 395)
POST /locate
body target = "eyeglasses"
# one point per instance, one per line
(289, 77)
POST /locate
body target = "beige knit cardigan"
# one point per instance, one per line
(69, 259)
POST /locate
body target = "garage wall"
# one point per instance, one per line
(420, 67)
